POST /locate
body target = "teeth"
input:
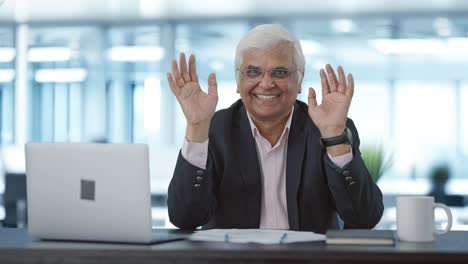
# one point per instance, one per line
(266, 97)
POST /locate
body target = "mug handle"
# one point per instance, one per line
(449, 219)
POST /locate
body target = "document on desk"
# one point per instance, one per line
(261, 236)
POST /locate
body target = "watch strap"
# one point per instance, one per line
(337, 140)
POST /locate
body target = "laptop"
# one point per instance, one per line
(91, 192)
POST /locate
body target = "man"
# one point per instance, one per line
(269, 161)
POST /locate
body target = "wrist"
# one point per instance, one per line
(198, 132)
(338, 150)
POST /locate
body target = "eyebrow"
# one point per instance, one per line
(280, 68)
(275, 68)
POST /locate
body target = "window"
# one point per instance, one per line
(425, 128)
(464, 119)
(58, 65)
(370, 113)
(7, 79)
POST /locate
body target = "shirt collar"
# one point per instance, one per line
(286, 127)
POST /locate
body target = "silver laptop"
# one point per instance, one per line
(91, 192)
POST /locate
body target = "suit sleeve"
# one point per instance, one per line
(191, 196)
(358, 200)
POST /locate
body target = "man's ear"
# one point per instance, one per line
(301, 77)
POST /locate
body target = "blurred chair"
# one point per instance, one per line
(440, 175)
(14, 196)
(14, 200)
(451, 200)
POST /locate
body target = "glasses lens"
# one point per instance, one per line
(279, 73)
(253, 73)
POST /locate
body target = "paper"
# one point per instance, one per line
(261, 236)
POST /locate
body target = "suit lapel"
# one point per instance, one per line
(296, 148)
(246, 152)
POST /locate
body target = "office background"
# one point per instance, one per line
(94, 71)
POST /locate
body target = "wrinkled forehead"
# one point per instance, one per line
(278, 55)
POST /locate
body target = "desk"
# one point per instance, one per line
(17, 247)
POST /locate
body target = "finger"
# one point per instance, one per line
(175, 89)
(332, 78)
(183, 67)
(212, 85)
(325, 84)
(193, 69)
(350, 90)
(312, 99)
(175, 71)
(341, 80)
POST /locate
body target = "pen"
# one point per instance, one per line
(283, 238)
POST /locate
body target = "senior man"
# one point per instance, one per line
(269, 161)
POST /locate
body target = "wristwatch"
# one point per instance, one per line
(345, 138)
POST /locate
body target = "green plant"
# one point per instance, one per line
(376, 160)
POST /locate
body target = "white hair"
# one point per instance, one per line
(267, 36)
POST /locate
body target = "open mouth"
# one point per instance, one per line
(269, 97)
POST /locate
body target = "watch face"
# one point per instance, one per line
(349, 136)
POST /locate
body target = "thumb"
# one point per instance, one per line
(212, 85)
(312, 99)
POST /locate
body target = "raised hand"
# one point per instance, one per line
(330, 115)
(198, 106)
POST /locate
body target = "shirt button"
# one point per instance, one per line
(196, 185)
(199, 172)
(199, 178)
(349, 178)
(346, 173)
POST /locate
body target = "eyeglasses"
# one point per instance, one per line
(275, 73)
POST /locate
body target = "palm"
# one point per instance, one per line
(331, 112)
(330, 116)
(197, 105)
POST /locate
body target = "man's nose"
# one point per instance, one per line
(267, 81)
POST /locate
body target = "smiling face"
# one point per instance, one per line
(267, 98)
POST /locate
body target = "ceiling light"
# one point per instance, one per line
(7, 75)
(442, 26)
(409, 46)
(343, 25)
(49, 54)
(7, 54)
(60, 75)
(310, 47)
(136, 53)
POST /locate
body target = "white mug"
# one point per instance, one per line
(415, 218)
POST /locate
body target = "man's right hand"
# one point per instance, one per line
(198, 106)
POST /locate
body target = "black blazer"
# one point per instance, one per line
(228, 193)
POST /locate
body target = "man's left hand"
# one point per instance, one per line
(330, 116)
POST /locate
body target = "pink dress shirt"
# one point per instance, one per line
(274, 211)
